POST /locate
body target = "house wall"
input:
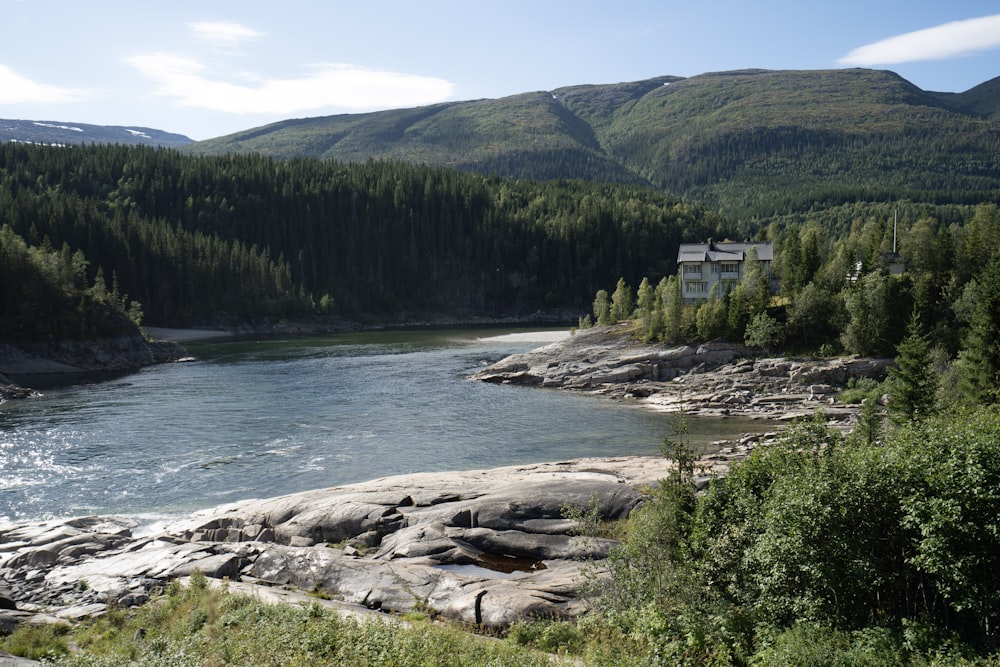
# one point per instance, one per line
(698, 279)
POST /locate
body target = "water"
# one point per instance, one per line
(255, 419)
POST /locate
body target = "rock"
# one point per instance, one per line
(79, 612)
(713, 379)
(479, 546)
(126, 352)
(7, 660)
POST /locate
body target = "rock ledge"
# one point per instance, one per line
(714, 379)
(483, 547)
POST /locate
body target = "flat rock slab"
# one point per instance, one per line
(715, 379)
(485, 547)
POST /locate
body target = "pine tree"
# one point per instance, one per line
(979, 359)
(913, 382)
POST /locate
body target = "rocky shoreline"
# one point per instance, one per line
(482, 547)
(26, 362)
(714, 379)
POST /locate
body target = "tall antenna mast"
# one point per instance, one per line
(895, 218)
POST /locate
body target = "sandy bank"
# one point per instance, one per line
(530, 337)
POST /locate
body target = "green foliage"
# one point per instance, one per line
(867, 303)
(551, 636)
(821, 550)
(209, 626)
(37, 642)
(710, 317)
(750, 143)
(913, 379)
(622, 302)
(979, 362)
(43, 295)
(649, 312)
(810, 644)
(750, 296)
(765, 332)
(602, 308)
(251, 239)
(956, 513)
(672, 303)
(815, 316)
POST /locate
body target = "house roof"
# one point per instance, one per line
(723, 252)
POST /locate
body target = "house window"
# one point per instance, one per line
(692, 268)
(730, 267)
(697, 288)
(715, 268)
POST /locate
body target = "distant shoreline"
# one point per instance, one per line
(185, 335)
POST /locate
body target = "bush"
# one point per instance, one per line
(860, 389)
(36, 642)
(823, 549)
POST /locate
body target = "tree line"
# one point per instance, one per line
(241, 238)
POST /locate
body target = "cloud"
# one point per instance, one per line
(949, 40)
(15, 89)
(224, 33)
(323, 86)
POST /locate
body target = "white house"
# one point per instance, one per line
(701, 266)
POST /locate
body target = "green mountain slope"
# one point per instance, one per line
(754, 143)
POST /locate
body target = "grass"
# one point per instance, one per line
(202, 625)
(858, 390)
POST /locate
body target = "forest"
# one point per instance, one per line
(226, 240)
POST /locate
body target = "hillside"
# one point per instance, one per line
(246, 238)
(59, 133)
(753, 143)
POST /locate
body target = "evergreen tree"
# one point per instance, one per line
(979, 360)
(867, 302)
(913, 381)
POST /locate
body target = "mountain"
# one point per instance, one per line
(62, 133)
(750, 142)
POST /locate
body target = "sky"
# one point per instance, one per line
(210, 68)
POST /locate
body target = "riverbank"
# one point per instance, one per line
(483, 547)
(714, 379)
(42, 363)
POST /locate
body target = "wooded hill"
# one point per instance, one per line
(238, 239)
(752, 144)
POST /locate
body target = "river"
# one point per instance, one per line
(260, 418)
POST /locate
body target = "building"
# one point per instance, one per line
(702, 266)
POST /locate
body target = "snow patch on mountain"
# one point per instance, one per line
(59, 127)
